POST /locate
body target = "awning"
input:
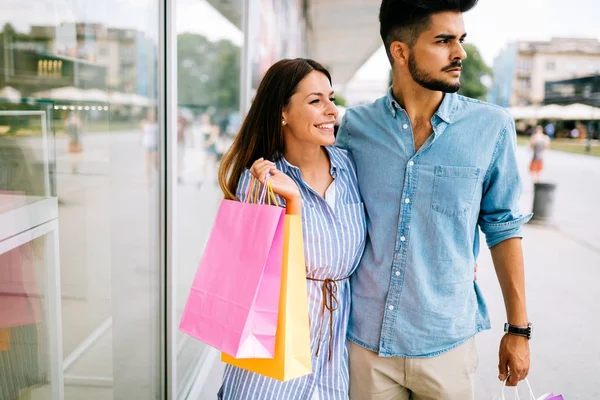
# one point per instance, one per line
(343, 35)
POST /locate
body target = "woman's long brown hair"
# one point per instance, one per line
(260, 134)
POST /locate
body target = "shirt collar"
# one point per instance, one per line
(445, 111)
(448, 107)
(286, 167)
(391, 102)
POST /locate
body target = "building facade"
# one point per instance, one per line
(584, 90)
(523, 68)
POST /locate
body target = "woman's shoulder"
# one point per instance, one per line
(341, 158)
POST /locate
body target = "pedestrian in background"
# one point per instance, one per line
(550, 130)
(150, 142)
(539, 142)
(209, 137)
(182, 142)
(73, 127)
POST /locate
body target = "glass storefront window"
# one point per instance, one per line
(79, 200)
(85, 161)
(209, 51)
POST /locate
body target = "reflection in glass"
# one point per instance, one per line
(78, 107)
(21, 322)
(208, 89)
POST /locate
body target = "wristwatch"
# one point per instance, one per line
(524, 331)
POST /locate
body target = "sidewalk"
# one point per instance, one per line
(562, 268)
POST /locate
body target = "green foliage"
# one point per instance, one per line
(340, 100)
(208, 72)
(474, 68)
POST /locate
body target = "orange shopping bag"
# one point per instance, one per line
(4, 339)
(292, 344)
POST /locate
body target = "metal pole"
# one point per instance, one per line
(167, 112)
(246, 67)
(588, 144)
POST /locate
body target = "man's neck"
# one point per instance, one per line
(420, 103)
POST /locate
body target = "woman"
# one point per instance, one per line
(210, 136)
(289, 134)
(150, 143)
(73, 127)
(538, 143)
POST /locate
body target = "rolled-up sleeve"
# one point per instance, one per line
(500, 218)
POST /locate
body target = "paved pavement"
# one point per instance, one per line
(562, 271)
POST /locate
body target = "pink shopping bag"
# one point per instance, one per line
(19, 297)
(234, 300)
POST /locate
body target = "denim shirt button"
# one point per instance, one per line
(402, 239)
(405, 126)
(391, 308)
(411, 163)
(397, 273)
(407, 201)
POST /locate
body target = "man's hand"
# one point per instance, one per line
(514, 359)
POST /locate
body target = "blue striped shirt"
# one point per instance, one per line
(334, 239)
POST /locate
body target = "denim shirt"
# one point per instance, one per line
(414, 294)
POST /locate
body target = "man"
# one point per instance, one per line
(434, 168)
(550, 130)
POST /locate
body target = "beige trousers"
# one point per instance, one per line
(448, 376)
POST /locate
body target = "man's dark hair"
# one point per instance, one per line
(405, 20)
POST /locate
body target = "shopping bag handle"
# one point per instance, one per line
(253, 196)
(517, 397)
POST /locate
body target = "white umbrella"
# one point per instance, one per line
(64, 93)
(139, 100)
(551, 111)
(580, 112)
(524, 112)
(96, 95)
(10, 93)
(119, 98)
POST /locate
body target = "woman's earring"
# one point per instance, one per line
(283, 122)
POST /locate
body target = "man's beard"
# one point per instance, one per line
(424, 79)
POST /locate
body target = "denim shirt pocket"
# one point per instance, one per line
(453, 189)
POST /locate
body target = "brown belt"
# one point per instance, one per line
(330, 302)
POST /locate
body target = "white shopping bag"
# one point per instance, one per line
(517, 397)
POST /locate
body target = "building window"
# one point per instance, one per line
(524, 84)
(525, 65)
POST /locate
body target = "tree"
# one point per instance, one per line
(208, 72)
(340, 100)
(474, 68)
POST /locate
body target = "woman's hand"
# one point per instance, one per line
(282, 184)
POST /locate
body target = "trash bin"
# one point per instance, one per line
(543, 201)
